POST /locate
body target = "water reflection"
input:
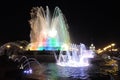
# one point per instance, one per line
(51, 71)
(73, 72)
(55, 72)
(93, 72)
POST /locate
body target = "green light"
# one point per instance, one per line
(40, 48)
(53, 42)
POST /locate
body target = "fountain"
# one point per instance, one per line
(48, 33)
(78, 56)
(26, 64)
(51, 33)
(74, 63)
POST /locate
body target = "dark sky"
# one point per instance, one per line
(90, 21)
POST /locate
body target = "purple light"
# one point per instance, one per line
(25, 72)
(28, 71)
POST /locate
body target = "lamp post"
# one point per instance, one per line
(112, 46)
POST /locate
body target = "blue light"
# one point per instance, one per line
(28, 71)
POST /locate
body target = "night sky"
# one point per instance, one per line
(89, 21)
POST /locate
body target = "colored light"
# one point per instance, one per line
(46, 31)
(28, 71)
(40, 48)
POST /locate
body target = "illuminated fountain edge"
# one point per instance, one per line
(78, 56)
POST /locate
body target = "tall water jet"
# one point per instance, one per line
(48, 32)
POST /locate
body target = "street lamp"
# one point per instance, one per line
(113, 44)
(21, 47)
(8, 46)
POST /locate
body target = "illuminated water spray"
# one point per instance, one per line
(78, 56)
(48, 32)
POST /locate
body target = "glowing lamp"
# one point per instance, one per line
(8, 46)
